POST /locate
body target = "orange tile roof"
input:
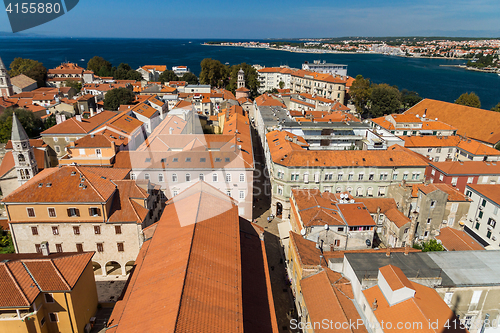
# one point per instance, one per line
(453, 193)
(416, 141)
(319, 76)
(457, 240)
(7, 164)
(159, 68)
(192, 266)
(73, 126)
(286, 153)
(93, 141)
(395, 277)
(387, 207)
(475, 123)
(124, 209)
(267, 100)
(61, 185)
(325, 298)
(24, 276)
(490, 191)
(467, 167)
(426, 306)
(316, 208)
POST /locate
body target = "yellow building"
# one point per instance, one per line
(46, 293)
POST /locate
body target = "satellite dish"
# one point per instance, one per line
(352, 200)
(303, 232)
(368, 242)
(326, 226)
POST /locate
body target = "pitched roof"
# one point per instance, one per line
(24, 276)
(93, 141)
(467, 167)
(479, 124)
(7, 164)
(387, 207)
(395, 277)
(73, 126)
(325, 296)
(425, 306)
(22, 81)
(192, 266)
(18, 132)
(268, 100)
(125, 208)
(69, 184)
(471, 146)
(457, 240)
(289, 154)
(490, 191)
(453, 193)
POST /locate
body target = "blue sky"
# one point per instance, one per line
(273, 19)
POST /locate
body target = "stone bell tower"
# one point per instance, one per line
(6, 89)
(24, 156)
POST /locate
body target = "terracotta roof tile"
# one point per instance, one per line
(475, 123)
(24, 276)
(63, 185)
(467, 167)
(326, 300)
(73, 126)
(457, 240)
(490, 191)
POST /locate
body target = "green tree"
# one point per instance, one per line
(77, 85)
(190, 78)
(100, 66)
(168, 76)
(32, 124)
(469, 100)
(251, 78)
(409, 98)
(496, 108)
(214, 73)
(125, 72)
(6, 244)
(281, 84)
(360, 93)
(431, 245)
(116, 97)
(49, 121)
(384, 100)
(30, 68)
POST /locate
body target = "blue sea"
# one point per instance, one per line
(424, 76)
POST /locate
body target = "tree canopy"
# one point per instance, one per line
(251, 78)
(214, 73)
(469, 100)
(409, 98)
(77, 85)
(116, 97)
(32, 124)
(168, 76)
(125, 72)
(190, 78)
(496, 108)
(100, 66)
(384, 99)
(360, 92)
(431, 245)
(31, 68)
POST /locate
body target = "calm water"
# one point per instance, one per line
(425, 76)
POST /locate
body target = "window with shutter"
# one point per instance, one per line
(97, 230)
(79, 247)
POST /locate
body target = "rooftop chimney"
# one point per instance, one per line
(374, 305)
(388, 252)
(407, 250)
(44, 247)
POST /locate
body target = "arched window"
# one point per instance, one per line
(21, 158)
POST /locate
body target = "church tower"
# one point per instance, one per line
(6, 89)
(241, 79)
(24, 156)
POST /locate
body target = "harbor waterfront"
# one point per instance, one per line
(426, 76)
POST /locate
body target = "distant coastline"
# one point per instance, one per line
(494, 71)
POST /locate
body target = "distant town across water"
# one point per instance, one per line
(428, 77)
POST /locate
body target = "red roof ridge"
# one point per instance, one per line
(90, 183)
(59, 274)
